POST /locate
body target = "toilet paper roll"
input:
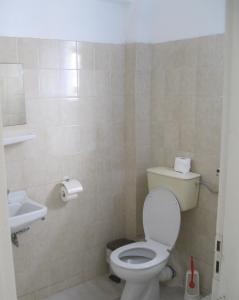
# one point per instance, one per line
(65, 196)
(70, 188)
(182, 165)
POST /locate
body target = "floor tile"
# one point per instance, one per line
(59, 296)
(172, 293)
(103, 289)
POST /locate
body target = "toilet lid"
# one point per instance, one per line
(161, 217)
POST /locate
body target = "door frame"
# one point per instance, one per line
(225, 283)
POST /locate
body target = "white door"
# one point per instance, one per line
(226, 282)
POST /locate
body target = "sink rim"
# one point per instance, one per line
(18, 222)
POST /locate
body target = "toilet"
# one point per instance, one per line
(140, 263)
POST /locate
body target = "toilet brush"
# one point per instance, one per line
(192, 290)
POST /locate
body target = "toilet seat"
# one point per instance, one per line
(140, 255)
(161, 217)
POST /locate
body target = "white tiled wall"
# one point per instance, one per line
(104, 114)
(75, 104)
(187, 90)
(138, 132)
(174, 97)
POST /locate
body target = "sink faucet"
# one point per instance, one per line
(8, 191)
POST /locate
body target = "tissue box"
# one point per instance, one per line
(182, 165)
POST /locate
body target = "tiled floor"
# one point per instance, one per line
(104, 289)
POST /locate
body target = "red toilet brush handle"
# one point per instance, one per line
(192, 283)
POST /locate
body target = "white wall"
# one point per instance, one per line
(165, 20)
(7, 276)
(85, 20)
(112, 21)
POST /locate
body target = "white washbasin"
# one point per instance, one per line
(23, 211)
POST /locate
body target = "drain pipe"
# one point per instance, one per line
(14, 236)
(166, 274)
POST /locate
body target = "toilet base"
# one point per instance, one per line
(141, 291)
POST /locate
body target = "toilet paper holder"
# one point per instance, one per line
(70, 188)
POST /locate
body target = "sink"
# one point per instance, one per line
(23, 211)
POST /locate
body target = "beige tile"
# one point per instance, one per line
(187, 81)
(101, 83)
(209, 81)
(15, 176)
(99, 265)
(118, 58)
(206, 272)
(72, 139)
(28, 297)
(184, 53)
(79, 111)
(84, 135)
(143, 83)
(49, 54)
(28, 51)
(17, 153)
(210, 51)
(34, 171)
(49, 291)
(31, 83)
(103, 111)
(117, 81)
(34, 112)
(208, 200)
(70, 111)
(163, 54)
(143, 138)
(37, 146)
(51, 114)
(188, 124)
(208, 124)
(158, 83)
(143, 57)
(88, 138)
(50, 83)
(86, 83)
(8, 50)
(207, 166)
(68, 55)
(56, 142)
(143, 109)
(72, 165)
(69, 83)
(85, 56)
(103, 56)
(53, 170)
(118, 108)
(195, 217)
(172, 81)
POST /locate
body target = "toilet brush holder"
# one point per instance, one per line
(192, 293)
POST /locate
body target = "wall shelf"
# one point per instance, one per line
(16, 139)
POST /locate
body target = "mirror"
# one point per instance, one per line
(12, 95)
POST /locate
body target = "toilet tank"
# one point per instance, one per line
(184, 186)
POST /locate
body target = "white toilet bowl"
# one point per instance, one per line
(140, 264)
